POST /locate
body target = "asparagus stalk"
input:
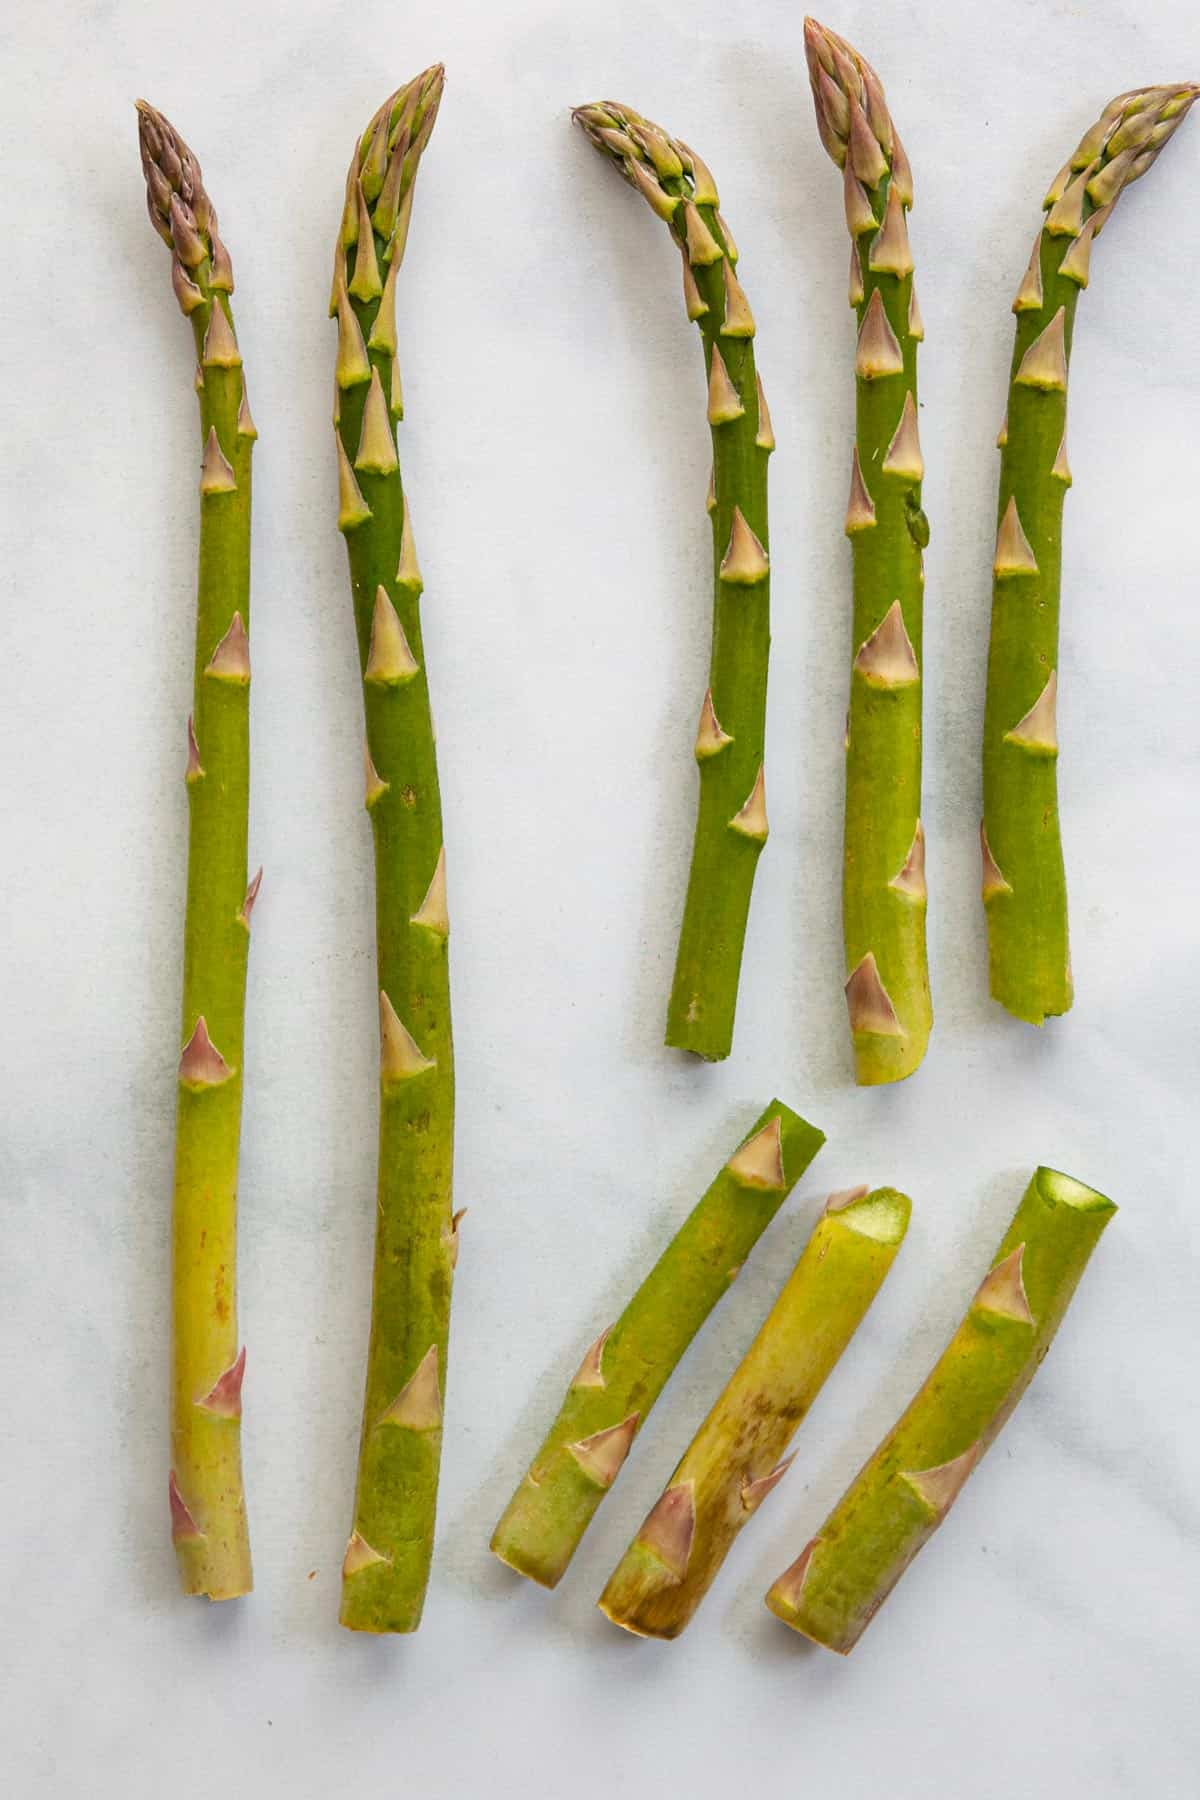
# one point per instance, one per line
(894, 1505)
(630, 1362)
(883, 871)
(733, 1462)
(207, 1502)
(386, 1567)
(731, 825)
(1024, 882)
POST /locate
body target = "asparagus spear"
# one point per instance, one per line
(207, 1503)
(883, 873)
(1024, 883)
(629, 1364)
(894, 1505)
(733, 1462)
(731, 825)
(386, 1567)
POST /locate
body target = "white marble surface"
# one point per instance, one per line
(556, 455)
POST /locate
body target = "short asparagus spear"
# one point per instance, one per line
(883, 875)
(733, 1462)
(731, 826)
(894, 1505)
(386, 1567)
(207, 1503)
(628, 1365)
(1024, 884)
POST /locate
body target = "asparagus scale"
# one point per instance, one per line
(883, 875)
(731, 824)
(628, 1365)
(1024, 879)
(387, 1561)
(902, 1495)
(207, 1502)
(737, 1457)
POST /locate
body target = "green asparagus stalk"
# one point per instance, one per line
(386, 1567)
(840, 1580)
(629, 1364)
(1024, 882)
(883, 874)
(731, 825)
(207, 1502)
(734, 1460)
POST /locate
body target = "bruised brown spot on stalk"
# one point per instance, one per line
(758, 1163)
(224, 1398)
(670, 1529)
(601, 1455)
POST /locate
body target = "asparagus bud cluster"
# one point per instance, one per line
(731, 826)
(883, 878)
(207, 1504)
(1024, 881)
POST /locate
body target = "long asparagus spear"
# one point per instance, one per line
(207, 1503)
(386, 1567)
(625, 1370)
(883, 875)
(1024, 883)
(731, 825)
(733, 1462)
(894, 1505)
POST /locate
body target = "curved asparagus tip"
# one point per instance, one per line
(731, 825)
(1024, 887)
(883, 882)
(179, 207)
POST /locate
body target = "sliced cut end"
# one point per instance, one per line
(882, 1214)
(1065, 1190)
